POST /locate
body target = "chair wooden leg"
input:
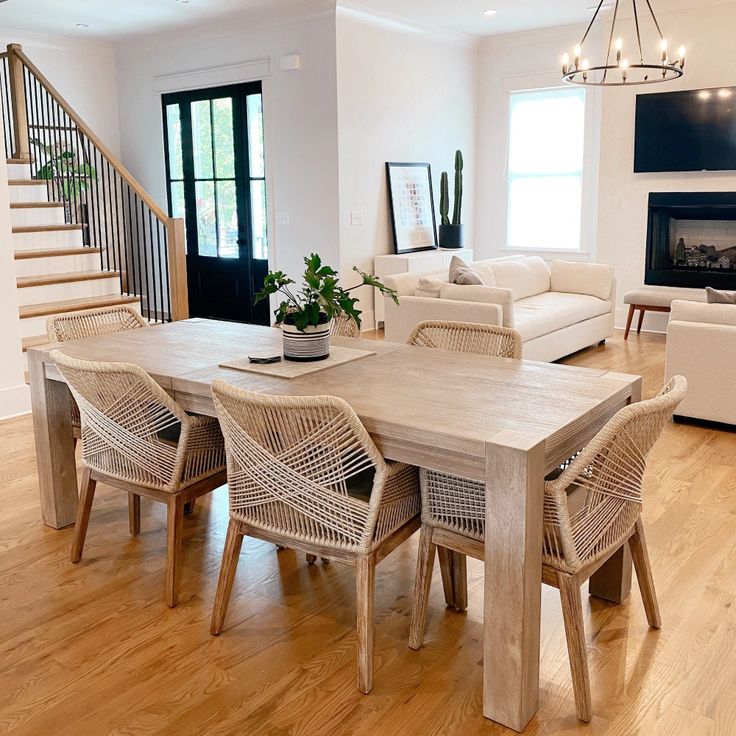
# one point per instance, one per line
(422, 585)
(134, 514)
(87, 494)
(643, 568)
(189, 506)
(174, 530)
(572, 615)
(230, 557)
(642, 312)
(629, 318)
(453, 567)
(311, 559)
(365, 586)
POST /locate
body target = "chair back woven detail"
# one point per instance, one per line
(93, 322)
(291, 461)
(344, 326)
(607, 475)
(131, 428)
(468, 337)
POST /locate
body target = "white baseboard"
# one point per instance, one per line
(15, 400)
(368, 320)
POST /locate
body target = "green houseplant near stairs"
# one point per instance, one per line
(305, 315)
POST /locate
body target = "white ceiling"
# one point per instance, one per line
(110, 20)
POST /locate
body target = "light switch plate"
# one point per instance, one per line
(282, 218)
(357, 218)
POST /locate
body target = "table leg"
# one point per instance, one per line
(513, 580)
(52, 429)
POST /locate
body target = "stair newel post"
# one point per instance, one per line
(21, 144)
(177, 262)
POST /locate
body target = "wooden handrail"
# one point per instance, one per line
(21, 144)
(89, 133)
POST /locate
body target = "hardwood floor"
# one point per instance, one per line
(93, 648)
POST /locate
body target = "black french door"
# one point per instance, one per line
(216, 178)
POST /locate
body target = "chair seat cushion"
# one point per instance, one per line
(662, 296)
(539, 315)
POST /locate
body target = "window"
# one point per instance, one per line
(545, 168)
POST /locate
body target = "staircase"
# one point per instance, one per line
(85, 234)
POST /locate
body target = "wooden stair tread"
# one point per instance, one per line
(74, 305)
(34, 341)
(45, 228)
(21, 255)
(32, 205)
(23, 282)
(26, 182)
(24, 160)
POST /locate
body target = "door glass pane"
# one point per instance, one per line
(255, 135)
(206, 223)
(222, 114)
(227, 219)
(258, 216)
(202, 139)
(173, 126)
(178, 205)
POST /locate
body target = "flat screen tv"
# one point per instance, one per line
(686, 131)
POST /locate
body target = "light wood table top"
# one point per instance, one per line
(496, 420)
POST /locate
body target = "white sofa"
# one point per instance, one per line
(701, 345)
(558, 309)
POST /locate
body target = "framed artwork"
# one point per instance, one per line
(412, 206)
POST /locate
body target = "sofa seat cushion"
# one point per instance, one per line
(539, 315)
(524, 276)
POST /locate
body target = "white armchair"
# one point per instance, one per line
(701, 345)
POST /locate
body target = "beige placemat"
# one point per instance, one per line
(294, 369)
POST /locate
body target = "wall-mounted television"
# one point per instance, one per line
(686, 131)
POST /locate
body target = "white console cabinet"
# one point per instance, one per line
(425, 260)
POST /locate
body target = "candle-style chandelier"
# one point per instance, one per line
(617, 69)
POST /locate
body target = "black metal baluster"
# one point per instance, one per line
(153, 266)
(120, 239)
(160, 269)
(144, 259)
(135, 245)
(105, 228)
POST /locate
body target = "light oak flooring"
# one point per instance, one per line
(93, 649)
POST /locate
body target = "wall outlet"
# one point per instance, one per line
(283, 218)
(357, 218)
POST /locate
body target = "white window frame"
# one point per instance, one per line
(589, 178)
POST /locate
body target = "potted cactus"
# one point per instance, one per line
(306, 314)
(451, 232)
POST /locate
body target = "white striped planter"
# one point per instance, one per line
(312, 344)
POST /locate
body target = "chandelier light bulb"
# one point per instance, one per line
(663, 46)
(565, 63)
(624, 69)
(681, 54)
(576, 54)
(619, 46)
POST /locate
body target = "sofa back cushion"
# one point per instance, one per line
(524, 276)
(593, 279)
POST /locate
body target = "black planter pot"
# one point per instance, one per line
(451, 236)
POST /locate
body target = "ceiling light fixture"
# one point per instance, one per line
(615, 70)
(489, 13)
(82, 25)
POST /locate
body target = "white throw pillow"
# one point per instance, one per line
(429, 287)
(524, 276)
(593, 279)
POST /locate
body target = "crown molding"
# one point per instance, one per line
(407, 26)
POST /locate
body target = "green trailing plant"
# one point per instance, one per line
(320, 294)
(64, 168)
(458, 188)
(444, 199)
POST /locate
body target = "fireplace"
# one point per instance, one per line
(691, 239)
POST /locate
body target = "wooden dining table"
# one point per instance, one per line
(503, 422)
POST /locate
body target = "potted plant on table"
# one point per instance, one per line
(306, 314)
(451, 233)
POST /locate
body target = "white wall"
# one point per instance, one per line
(402, 96)
(617, 215)
(300, 109)
(622, 224)
(83, 72)
(14, 394)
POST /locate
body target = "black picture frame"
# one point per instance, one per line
(410, 197)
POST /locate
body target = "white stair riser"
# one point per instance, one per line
(19, 171)
(37, 216)
(25, 193)
(72, 290)
(57, 264)
(47, 240)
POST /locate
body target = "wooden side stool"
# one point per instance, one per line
(656, 299)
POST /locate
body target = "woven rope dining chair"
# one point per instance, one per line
(467, 337)
(304, 473)
(137, 438)
(344, 326)
(590, 510)
(479, 339)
